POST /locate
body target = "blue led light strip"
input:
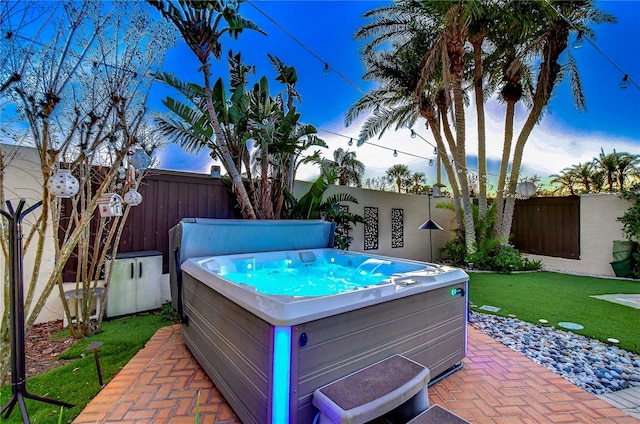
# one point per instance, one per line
(281, 389)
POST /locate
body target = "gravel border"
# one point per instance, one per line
(589, 364)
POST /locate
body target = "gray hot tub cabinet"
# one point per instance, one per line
(237, 349)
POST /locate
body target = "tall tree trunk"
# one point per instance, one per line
(504, 166)
(461, 168)
(556, 43)
(451, 172)
(482, 148)
(246, 208)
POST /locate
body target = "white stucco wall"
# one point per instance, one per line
(415, 207)
(599, 227)
(23, 179)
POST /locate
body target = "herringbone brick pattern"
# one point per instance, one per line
(499, 385)
(159, 385)
(496, 385)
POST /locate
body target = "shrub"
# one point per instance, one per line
(491, 255)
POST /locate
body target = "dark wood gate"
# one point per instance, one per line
(548, 226)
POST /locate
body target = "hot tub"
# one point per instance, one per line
(267, 350)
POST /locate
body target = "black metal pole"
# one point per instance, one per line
(16, 293)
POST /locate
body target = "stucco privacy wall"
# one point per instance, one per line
(415, 212)
(23, 179)
(599, 227)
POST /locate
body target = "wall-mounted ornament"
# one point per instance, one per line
(63, 184)
(110, 204)
(397, 228)
(371, 228)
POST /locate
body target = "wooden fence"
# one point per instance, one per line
(548, 226)
(168, 196)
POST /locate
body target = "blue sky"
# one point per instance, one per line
(563, 138)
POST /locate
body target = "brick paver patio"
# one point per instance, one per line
(496, 385)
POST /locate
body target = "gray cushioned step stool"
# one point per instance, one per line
(437, 415)
(395, 383)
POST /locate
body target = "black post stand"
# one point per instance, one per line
(18, 369)
(430, 225)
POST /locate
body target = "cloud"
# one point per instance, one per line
(552, 146)
(172, 157)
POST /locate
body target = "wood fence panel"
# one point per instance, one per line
(168, 197)
(548, 226)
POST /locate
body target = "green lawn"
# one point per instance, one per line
(77, 381)
(562, 297)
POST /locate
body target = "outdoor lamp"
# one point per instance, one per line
(430, 225)
(526, 189)
(63, 184)
(140, 159)
(132, 197)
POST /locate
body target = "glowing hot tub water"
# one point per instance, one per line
(311, 273)
(271, 326)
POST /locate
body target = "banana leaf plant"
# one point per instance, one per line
(312, 205)
(264, 136)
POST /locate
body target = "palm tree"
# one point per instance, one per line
(346, 166)
(565, 16)
(398, 72)
(521, 44)
(416, 182)
(608, 164)
(583, 175)
(397, 174)
(627, 165)
(566, 181)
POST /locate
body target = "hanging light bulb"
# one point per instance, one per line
(578, 42)
(625, 82)
(435, 150)
(395, 154)
(350, 143)
(325, 70)
(413, 133)
(430, 162)
(63, 184)
(376, 111)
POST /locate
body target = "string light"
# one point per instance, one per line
(395, 153)
(350, 142)
(626, 78)
(414, 134)
(374, 144)
(314, 54)
(579, 42)
(325, 71)
(625, 82)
